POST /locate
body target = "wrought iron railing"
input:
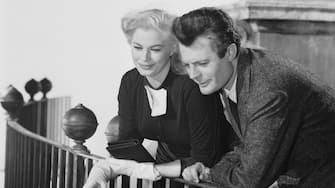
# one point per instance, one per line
(33, 159)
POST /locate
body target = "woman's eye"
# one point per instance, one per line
(137, 47)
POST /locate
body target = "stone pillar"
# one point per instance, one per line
(303, 30)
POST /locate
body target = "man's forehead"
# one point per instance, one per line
(198, 50)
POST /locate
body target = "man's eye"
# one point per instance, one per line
(203, 63)
(156, 49)
(186, 65)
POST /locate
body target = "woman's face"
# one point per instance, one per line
(150, 51)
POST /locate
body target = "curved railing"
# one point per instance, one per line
(35, 161)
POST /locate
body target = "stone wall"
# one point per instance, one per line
(301, 30)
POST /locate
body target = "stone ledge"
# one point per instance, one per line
(312, 10)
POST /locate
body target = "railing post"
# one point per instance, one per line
(79, 124)
(12, 102)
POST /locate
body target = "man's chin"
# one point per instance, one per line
(206, 90)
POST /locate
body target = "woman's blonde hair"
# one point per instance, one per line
(157, 19)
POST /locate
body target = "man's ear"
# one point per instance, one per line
(231, 51)
(174, 49)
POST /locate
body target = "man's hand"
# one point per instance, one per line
(100, 174)
(196, 172)
(274, 185)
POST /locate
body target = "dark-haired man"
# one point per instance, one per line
(283, 116)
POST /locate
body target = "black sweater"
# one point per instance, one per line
(192, 126)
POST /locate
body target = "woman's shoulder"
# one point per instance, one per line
(132, 73)
(131, 76)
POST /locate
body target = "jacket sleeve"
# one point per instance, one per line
(126, 95)
(248, 163)
(204, 127)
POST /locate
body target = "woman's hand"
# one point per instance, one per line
(109, 168)
(99, 175)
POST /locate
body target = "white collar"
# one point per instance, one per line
(157, 100)
(231, 93)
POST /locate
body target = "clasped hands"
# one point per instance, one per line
(109, 168)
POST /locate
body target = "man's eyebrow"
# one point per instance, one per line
(194, 62)
(199, 61)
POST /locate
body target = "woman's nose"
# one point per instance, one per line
(146, 55)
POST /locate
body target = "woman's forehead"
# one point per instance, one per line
(150, 35)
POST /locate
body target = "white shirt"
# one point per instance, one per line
(157, 100)
(231, 93)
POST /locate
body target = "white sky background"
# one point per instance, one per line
(78, 45)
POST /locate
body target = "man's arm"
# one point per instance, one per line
(249, 163)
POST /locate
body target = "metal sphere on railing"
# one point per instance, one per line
(12, 101)
(46, 86)
(79, 124)
(32, 87)
(112, 130)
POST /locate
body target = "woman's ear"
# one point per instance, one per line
(231, 51)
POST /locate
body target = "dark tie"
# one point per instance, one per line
(231, 108)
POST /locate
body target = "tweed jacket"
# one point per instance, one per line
(286, 126)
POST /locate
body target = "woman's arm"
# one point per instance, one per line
(170, 169)
(126, 96)
(205, 126)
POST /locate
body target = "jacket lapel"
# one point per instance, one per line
(242, 87)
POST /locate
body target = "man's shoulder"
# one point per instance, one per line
(274, 70)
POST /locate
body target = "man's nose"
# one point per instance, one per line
(193, 72)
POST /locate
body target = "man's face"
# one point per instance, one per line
(204, 66)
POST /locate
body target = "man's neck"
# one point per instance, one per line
(232, 78)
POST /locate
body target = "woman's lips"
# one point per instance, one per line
(146, 66)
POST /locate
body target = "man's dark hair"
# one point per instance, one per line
(207, 21)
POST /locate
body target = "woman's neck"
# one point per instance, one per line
(157, 80)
